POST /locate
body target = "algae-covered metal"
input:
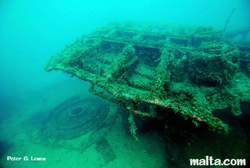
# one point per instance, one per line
(153, 69)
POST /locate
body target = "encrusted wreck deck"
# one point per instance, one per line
(153, 70)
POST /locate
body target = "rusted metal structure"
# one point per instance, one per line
(154, 69)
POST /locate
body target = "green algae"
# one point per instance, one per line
(185, 70)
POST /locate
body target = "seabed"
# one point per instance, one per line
(159, 95)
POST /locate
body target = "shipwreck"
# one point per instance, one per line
(157, 70)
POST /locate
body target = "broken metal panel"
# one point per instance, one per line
(173, 68)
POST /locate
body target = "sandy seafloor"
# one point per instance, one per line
(149, 151)
(153, 150)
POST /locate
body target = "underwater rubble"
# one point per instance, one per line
(158, 70)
